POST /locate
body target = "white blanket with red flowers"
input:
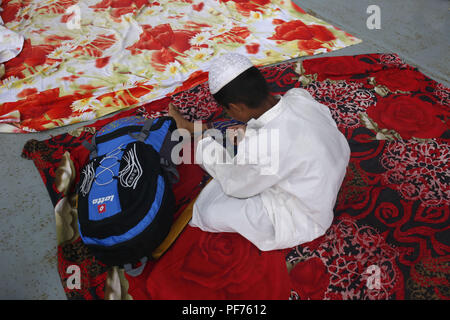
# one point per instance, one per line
(83, 59)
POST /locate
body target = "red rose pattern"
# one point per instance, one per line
(96, 47)
(218, 266)
(235, 35)
(120, 7)
(309, 46)
(198, 7)
(292, 30)
(38, 107)
(310, 279)
(245, 6)
(101, 62)
(409, 116)
(252, 48)
(29, 58)
(57, 7)
(340, 67)
(167, 43)
(310, 37)
(403, 79)
(387, 212)
(27, 92)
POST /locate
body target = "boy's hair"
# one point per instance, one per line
(250, 88)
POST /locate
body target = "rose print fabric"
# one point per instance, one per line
(390, 238)
(85, 59)
(218, 266)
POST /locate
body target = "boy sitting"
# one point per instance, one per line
(273, 206)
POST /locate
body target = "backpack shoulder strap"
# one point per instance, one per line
(91, 146)
(171, 170)
(145, 131)
(166, 154)
(166, 148)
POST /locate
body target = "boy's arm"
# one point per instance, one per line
(237, 180)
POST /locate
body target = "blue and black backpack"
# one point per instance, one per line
(125, 198)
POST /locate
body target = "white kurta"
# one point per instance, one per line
(282, 208)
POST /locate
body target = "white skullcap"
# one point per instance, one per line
(226, 68)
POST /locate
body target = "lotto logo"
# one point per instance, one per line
(103, 199)
(101, 208)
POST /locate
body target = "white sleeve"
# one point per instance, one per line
(237, 179)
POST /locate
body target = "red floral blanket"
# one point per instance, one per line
(84, 59)
(390, 238)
